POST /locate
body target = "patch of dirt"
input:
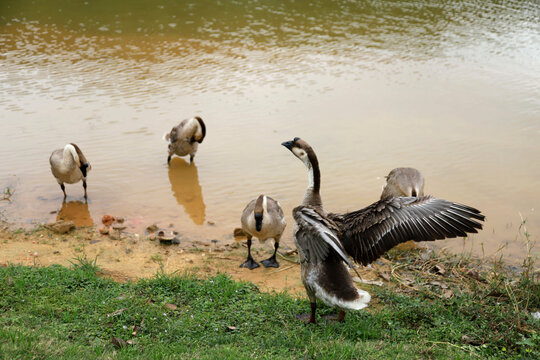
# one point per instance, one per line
(132, 257)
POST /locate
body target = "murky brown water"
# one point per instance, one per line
(451, 88)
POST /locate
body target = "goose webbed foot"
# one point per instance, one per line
(306, 318)
(250, 264)
(270, 262)
(340, 317)
(309, 318)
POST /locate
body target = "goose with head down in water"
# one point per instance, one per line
(325, 241)
(184, 139)
(69, 165)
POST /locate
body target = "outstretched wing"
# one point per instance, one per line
(368, 233)
(317, 235)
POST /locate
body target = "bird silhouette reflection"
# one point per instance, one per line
(184, 179)
(76, 211)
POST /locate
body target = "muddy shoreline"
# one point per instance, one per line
(126, 256)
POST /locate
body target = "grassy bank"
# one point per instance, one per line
(57, 312)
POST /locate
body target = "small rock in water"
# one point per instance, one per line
(119, 227)
(61, 226)
(120, 220)
(210, 222)
(151, 237)
(104, 230)
(107, 219)
(152, 228)
(165, 239)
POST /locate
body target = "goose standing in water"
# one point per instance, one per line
(185, 138)
(262, 218)
(70, 166)
(325, 241)
(403, 182)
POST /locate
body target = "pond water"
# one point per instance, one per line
(449, 87)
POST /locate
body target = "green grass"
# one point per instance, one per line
(60, 313)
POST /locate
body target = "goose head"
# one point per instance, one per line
(302, 151)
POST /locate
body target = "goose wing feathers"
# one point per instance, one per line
(316, 235)
(370, 232)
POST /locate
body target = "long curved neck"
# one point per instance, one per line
(313, 196)
(70, 155)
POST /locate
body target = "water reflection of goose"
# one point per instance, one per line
(184, 179)
(76, 211)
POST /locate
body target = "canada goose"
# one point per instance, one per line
(324, 240)
(186, 137)
(263, 218)
(69, 165)
(403, 182)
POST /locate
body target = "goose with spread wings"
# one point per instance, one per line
(325, 241)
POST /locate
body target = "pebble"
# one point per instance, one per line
(152, 228)
(107, 219)
(104, 230)
(61, 226)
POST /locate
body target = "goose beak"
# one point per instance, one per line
(288, 144)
